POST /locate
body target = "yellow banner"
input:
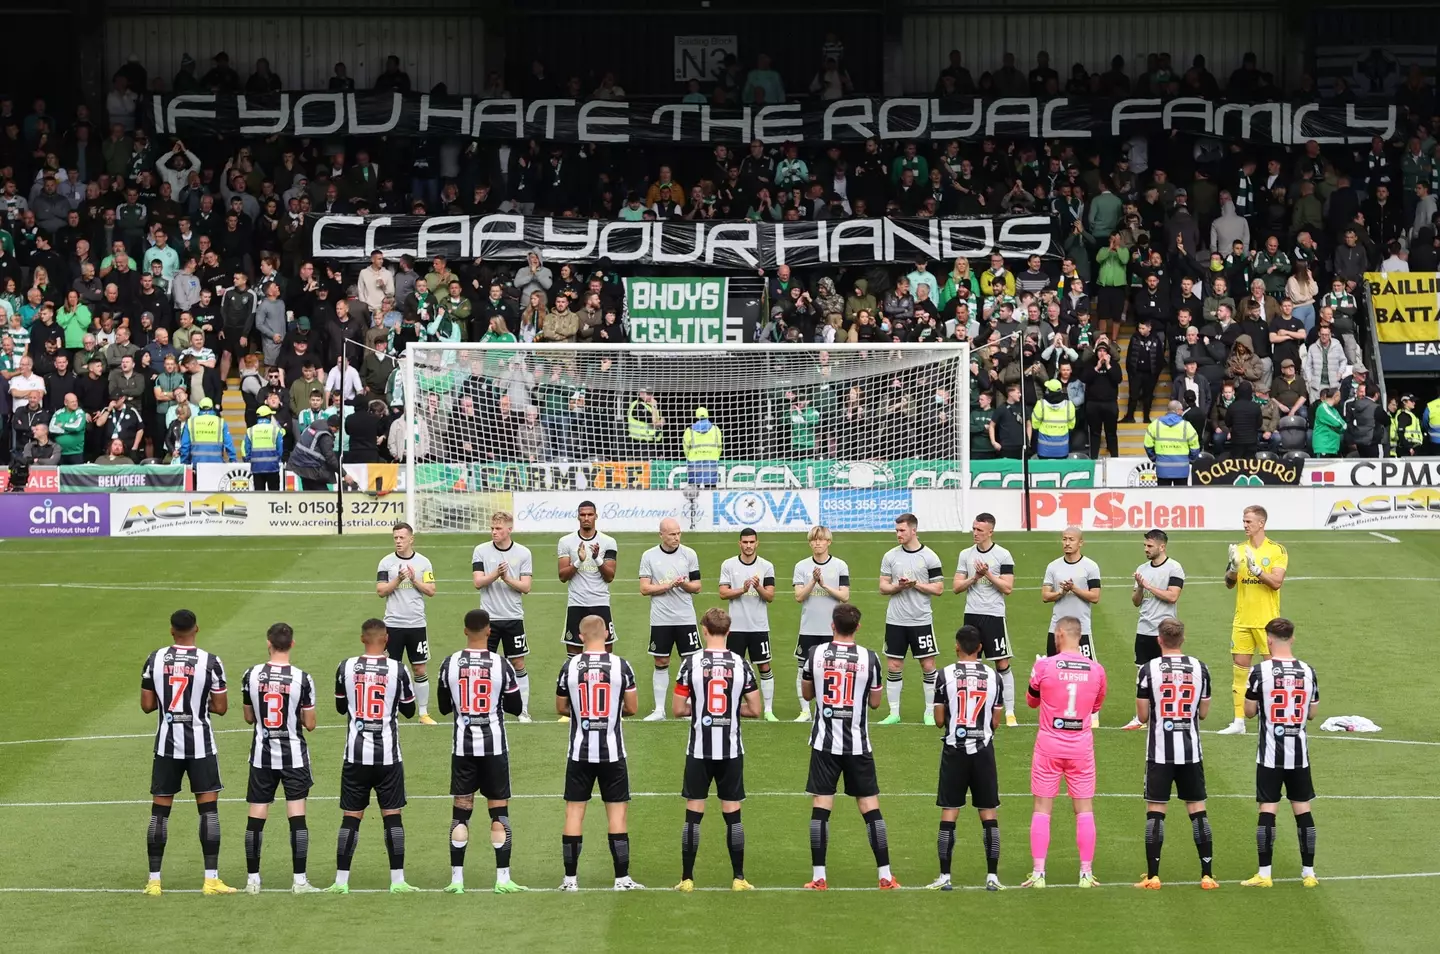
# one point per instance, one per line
(1407, 305)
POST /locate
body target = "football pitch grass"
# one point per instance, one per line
(75, 755)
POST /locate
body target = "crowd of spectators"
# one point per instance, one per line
(138, 274)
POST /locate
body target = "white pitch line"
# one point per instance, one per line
(1394, 876)
(1246, 796)
(1384, 536)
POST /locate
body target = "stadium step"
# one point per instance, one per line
(232, 409)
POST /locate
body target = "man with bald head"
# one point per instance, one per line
(670, 576)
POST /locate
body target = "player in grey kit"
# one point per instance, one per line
(1158, 584)
(404, 580)
(670, 576)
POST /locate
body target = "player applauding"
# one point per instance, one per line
(986, 575)
(503, 572)
(1159, 582)
(404, 580)
(1067, 688)
(822, 582)
(748, 582)
(1256, 572)
(587, 560)
(670, 577)
(910, 574)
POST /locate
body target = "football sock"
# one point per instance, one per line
(570, 851)
(767, 689)
(689, 843)
(1204, 841)
(1154, 841)
(1085, 839)
(458, 817)
(210, 837)
(799, 692)
(991, 831)
(299, 847)
(735, 841)
(894, 684)
(660, 682)
(522, 679)
(819, 838)
(1239, 677)
(500, 815)
(422, 692)
(156, 836)
(1007, 684)
(395, 846)
(1039, 839)
(1305, 828)
(879, 840)
(345, 844)
(620, 854)
(1265, 839)
(945, 845)
(928, 682)
(254, 836)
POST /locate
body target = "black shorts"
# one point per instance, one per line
(167, 773)
(1296, 783)
(511, 634)
(1188, 782)
(727, 774)
(1087, 647)
(573, 616)
(918, 640)
(264, 781)
(1110, 303)
(487, 774)
(580, 779)
(682, 639)
(756, 645)
(356, 782)
(826, 769)
(994, 635)
(961, 773)
(804, 644)
(1146, 648)
(409, 640)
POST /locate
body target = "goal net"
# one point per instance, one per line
(722, 436)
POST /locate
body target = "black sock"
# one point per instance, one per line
(819, 835)
(991, 831)
(1154, 842)
(394, 841)
(1305, 828)
(735, 840)
(502, 854)
(689, 844)
(1265, 837)
(458, 817)
(299, 843)
(620, 854)
(570, 852)
(879, 837)
(210, 834)
(1204, 841)
(157, 835)
(346, 841)
(945, 845)
(254, 836)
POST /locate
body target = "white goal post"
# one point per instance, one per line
(779, 436)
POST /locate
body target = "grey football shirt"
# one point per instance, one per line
(499, 599)
(818, 607)
(587, 587)
(405, 607)
(982, 599)
(674, 607)
(1155, 611)
(749, 613)
(1084, 573)
(910, 607)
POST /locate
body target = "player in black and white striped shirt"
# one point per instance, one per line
(372, 690)
(595, 689)
(479, 685)
(185, 685)
(1172, 697)
(845, 679)
(1284, 693)
(714, 689)
(968, 701)
(279, 701)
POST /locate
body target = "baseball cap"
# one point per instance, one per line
(206, 404)
(1407, 397)
(1052, 385)
(701, 413)
(261, 411)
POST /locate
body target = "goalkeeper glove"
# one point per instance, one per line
(1234, 563)
(1252, 563)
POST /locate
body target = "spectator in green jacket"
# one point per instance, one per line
(1106, 208)
(68, 426)
(1272, 266)
(1329, 429)
(912, 160)
(1110, 304)
(75, 319)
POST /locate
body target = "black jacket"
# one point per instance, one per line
(1101, 387)
(1243, 418)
